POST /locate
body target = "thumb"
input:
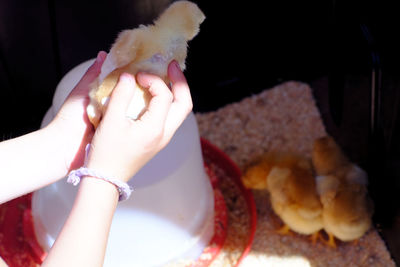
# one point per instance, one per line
(94, 69)
(122, 95)
(83, 86)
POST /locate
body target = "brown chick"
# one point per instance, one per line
(289, 179)
(342, 187)
(147, 48)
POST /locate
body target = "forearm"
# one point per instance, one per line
(2, 263)
(30, 162)
(83, 239)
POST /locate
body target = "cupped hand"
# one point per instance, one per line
(121, 146)
(71, 123)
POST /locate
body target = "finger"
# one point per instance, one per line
(90, 75)
(122, 95)
(180, 88)
(182, 103)
(161, 98)
(94, 70)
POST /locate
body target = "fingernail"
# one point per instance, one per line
(176, 65)
(175, 68)
(101, 56)
(126, 78)
(98, 58)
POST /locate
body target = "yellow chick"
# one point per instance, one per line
(342, 186)
(289, 179)
(147, 48)
(255, 176)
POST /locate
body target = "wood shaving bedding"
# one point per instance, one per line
(286, 118)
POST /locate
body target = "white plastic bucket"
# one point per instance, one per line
(170, 215)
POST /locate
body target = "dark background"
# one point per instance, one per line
(346, 50)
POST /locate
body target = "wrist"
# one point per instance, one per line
(112, 167)
(123, 189)
(98, 188)
(107, 169)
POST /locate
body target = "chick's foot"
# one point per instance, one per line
(331, 241)
(284, 230)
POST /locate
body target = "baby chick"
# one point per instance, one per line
(289, 179)
(255, 176)
(342, 187)
(147, 48)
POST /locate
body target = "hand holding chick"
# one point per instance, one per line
(149, 49)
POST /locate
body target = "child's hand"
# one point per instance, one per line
(71, 123)
(121, 146)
